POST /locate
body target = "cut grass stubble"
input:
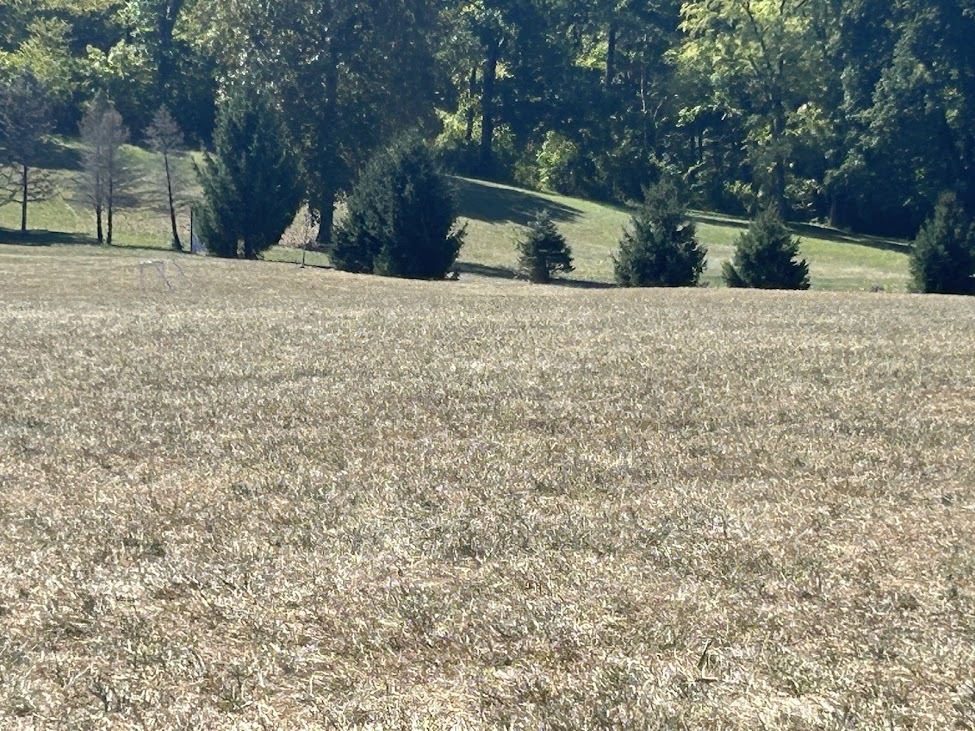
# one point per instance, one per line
(266, 495)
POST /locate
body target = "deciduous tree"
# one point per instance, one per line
(165, 138)
(25, 121)
(107, 177)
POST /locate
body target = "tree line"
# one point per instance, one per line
(856, 112)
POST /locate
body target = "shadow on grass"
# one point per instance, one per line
(40, 237)
(810, 230)
(56, 155)
(494, 204)
(839, 237)
(483, 270)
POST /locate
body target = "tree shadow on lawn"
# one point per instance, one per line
(55, 155)
(810, 230)
(495, 272)
(40, 237)
(497, 204)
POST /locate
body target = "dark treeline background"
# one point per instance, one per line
(855, 112)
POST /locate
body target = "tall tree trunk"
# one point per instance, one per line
(326, 215)
(99, 234)
(24, 190)
(111, 210)
(778, 162)
(329, 156)
(835, 210)
(172, 206)
(165, 24)
(610, 55)
(471, 97)
(487, 108)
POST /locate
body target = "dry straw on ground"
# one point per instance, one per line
(251, 496)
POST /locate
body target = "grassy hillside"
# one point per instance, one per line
(244, 495)
(495, 215)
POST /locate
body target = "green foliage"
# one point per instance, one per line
(558, 163)
(765, 257)
(25, 121)
(858, 112)
(400, 218)
(544, 251)
(251, 184)
(126, 75)
(660, 249)
(943, 258)
(45, 54)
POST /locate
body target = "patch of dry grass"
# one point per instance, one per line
(265, 497)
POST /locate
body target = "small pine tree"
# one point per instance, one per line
(543, 251)
(400, 217)
(765, 257)
(661, 248)
(251, 184)
(943, 258)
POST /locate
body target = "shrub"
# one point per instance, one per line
(765, 257)
(557, 164)
(400, 218)
(661, 248)
(543, 251)
(251, 184)
(943, 257)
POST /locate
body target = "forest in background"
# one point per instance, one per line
(854, 112)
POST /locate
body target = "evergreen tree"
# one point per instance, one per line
(765, 257)
(943, 258)
(252, 182)
(543, 251)
(661, 248)
(400, 218)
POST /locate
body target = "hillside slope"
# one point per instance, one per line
(495, 215)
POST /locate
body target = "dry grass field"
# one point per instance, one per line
(252, 496)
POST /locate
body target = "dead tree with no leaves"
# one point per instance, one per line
(165, 139)
(106, 174)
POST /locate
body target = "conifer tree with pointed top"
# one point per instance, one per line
(660, 248)
(943, 258)
(252, 182)
(766, 257)
(401, 217)
(544, 251)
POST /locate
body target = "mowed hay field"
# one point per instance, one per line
(248, 495)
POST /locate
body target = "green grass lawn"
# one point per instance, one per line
(495, 216)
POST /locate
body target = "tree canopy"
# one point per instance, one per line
(856, 112)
